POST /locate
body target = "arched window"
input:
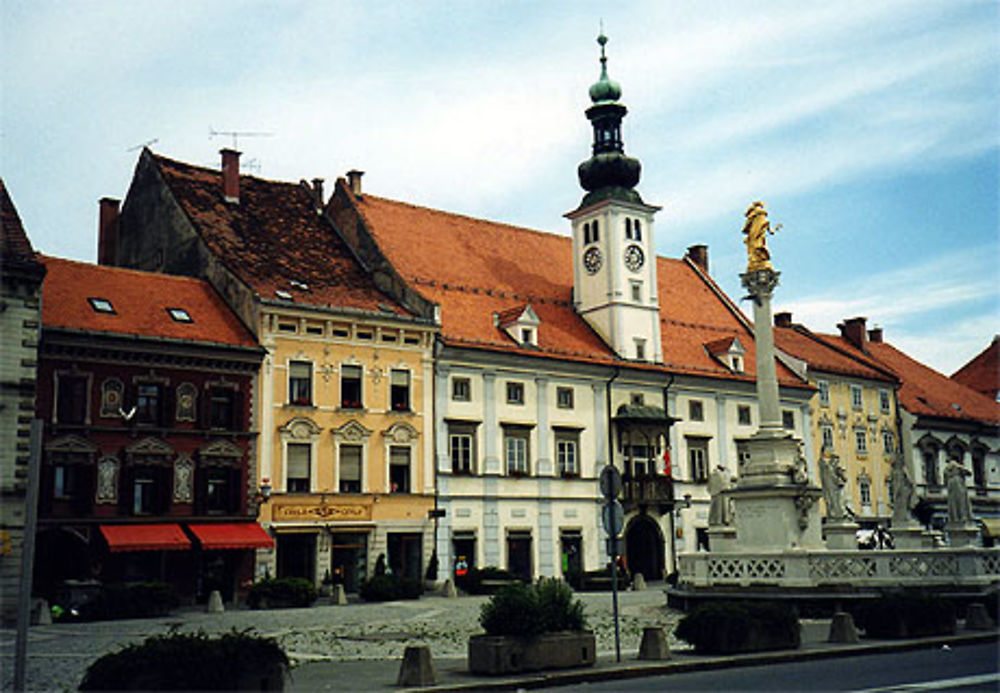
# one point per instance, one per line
(628, 228)
(638, 231)
(597, 236)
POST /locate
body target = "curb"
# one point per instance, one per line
(623, 671)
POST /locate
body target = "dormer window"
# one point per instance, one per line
(527, 335)
(729, 352)
(520, 324)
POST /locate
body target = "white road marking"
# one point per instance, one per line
(936, 685)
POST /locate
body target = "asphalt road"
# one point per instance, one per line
(960, 668)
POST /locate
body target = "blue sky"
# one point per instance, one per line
(870, 129)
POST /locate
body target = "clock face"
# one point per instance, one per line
(634, 258)
(592, 260)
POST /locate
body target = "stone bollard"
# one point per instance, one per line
(417, 669)
(448, 589)
(41, 613)
(654, 644)
(338, 595)
(214, 605)
(976, 617)
(638, 582)
(842, 628)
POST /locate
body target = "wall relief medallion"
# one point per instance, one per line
(183, 480)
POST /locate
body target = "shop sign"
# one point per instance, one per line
(324, 512)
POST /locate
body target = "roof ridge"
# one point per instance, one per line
(870, 361)
(43, 257)
(160, 158)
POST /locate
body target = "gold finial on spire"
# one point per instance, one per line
(756, 229)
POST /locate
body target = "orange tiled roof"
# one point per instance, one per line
(982, 373)
(475, 268)
(14, 243)
(926, 392)
(828, 354)
(274, 237)
(140, 301)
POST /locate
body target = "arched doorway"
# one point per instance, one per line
(644, 547)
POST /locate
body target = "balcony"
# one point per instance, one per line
(648, 490)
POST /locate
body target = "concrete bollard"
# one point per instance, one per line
(41, 613)
(338, 595)
(654, 645)
(417, 669)
(638, 582)
(976, 617)
(448, 589)
(842, 628)
(215, 605)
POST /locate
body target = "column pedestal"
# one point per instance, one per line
(841, 535)
(962, 534)
(722, 539)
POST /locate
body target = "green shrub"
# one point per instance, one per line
(389, 587)
(188, 662)
(486, 580)
(134, 600)
(906, 615)
(528, 610)
(271, 593)
(727, 627)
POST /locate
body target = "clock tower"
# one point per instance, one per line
(614, 254)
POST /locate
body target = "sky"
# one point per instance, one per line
(871, 130)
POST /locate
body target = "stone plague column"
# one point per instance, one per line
(775, 506)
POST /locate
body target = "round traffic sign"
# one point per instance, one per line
(610, 482)
(613, 517)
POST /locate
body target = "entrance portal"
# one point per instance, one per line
(644, 547)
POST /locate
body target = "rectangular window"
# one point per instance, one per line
(567, 461)
(824, 392)
(564, 397)
(298, 471)
(399, 469)
(888, 442)
(883, 401)
(865, 491)
(640, 349)
(636, 291)
(857, 401)
(527, 335)
(637, 399)
(788, 420)
(515, 444)
(743, 415)
(461, 389)
(515, 393)
(145, 491)
(461, 450)
(148, 404)
(300, 382)
(350, 387)
(66, 481)
(698, 458)
(400, 387)
(696, 410)
(861, 440)
(218, 490)
(350, 469)
(71, 407)
(826, 431)
(742, 455)
(222, 408)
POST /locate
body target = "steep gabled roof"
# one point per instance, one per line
(14, 243)
(828, 354)
(475, 268)
(982, 373)
(273, 239)
(926, 392)
(140, 301)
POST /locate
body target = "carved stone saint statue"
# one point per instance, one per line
(904, 497)
(832, 479)
(718, 509)
(756, 229)
(959, 509)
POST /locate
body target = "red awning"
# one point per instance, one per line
(145, 537)
(244, 535)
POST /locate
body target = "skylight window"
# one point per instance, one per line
(179, 315)
(101, 305)
(283, 294)
(296, 284)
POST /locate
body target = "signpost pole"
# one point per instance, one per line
(614, 519)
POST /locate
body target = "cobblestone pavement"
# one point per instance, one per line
(59, 654)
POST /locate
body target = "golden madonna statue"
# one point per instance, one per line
(756, 229)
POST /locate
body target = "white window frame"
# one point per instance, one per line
(861, 441)
(567, 454)
(516, 452)
(857, 397)
(823, 387)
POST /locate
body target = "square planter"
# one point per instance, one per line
(506, 654)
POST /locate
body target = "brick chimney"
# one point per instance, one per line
(853, 330)
(699, 256)
(354, 181)
(231, 175)
(875, 335)
(318, 193)
(107, 231)
(783, 319)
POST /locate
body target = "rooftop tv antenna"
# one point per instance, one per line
(143, 145)
(236, 134)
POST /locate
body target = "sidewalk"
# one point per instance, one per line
(452, 673)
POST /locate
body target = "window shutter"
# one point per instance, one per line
(400, 378)
(300, 369)
(298, 461)
(350, 463)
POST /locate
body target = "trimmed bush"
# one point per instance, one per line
(389, 587)
(906, 616)
(191, 662)
(135, 600)
(278, 593)
(486, 580)
(528, 610)
(730, 627)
